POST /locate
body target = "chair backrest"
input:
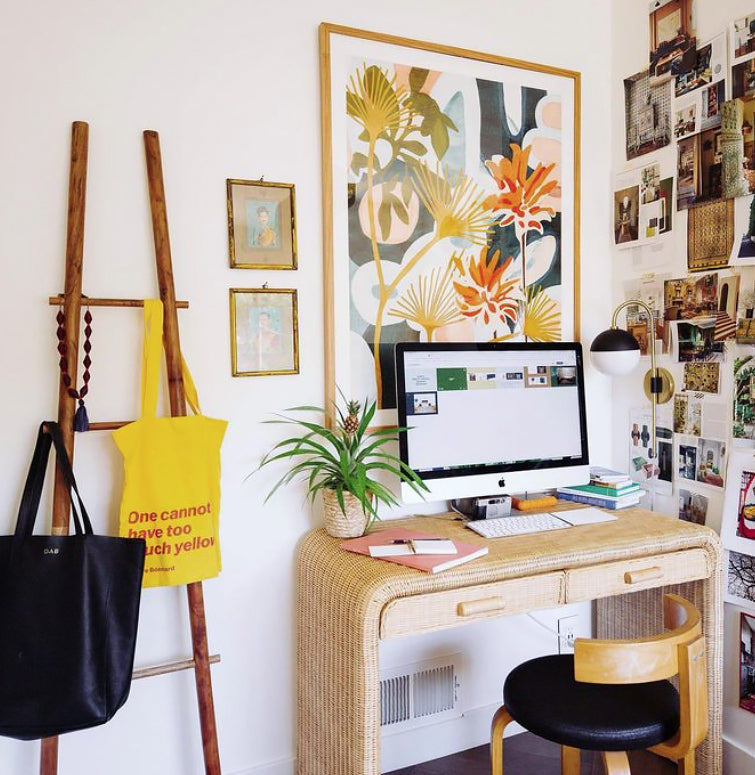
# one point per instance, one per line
(679, 651)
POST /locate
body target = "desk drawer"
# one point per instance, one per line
(450, 608)
(616, 578)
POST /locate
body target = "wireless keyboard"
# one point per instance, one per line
(518, 525)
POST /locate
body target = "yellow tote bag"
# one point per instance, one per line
(171, 489)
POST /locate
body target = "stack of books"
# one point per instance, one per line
(607, 490)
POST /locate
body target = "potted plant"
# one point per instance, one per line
(341, 462)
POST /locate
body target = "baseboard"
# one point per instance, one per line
(737, 759)
(285, 766)
(403, 749)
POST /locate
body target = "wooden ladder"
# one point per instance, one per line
(71, 300)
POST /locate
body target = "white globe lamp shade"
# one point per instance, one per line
(615, 352)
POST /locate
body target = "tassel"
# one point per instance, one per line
(81, 418)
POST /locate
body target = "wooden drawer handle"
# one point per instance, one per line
(644, 574)
(484, 606)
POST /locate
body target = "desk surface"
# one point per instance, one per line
(343, 597)
(636, 533)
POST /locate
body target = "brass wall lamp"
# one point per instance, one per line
(616, 352)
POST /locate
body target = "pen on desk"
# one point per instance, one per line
(409, 540)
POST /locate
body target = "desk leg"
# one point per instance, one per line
(338, 724)
(640, 613)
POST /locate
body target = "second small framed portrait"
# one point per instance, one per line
(261, 224)
(264, 332)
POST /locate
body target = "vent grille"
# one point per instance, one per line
(419, 694)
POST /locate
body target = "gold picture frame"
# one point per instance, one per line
(264, 331)
(261, 224)
(377, 291)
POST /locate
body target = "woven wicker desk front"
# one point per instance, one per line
(345, 599)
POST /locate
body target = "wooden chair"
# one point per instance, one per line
(614, 696)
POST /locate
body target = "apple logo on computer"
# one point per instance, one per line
(501, 482)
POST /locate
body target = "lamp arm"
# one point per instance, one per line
(655, 387)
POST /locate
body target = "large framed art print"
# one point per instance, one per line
(451, 203)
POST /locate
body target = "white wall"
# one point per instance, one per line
(233, 89)
(630, 55)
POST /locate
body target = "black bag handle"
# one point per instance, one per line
(49, 434)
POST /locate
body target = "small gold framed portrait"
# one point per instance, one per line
(264, 332)
(261, 224)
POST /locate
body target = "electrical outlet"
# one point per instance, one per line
(567, 626)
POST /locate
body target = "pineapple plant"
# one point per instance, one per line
(340, 460)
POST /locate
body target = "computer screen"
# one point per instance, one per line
(496, 418)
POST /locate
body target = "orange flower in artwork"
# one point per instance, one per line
(483, 290)
(520, 193)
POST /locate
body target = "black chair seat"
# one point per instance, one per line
(543, 697)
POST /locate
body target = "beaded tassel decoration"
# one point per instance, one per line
(81, 419)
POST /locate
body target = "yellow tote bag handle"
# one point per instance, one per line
(152, 355)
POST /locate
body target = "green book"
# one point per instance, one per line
(611, 492)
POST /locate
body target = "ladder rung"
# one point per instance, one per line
(170, 667)
(108, 426)
(56, 301)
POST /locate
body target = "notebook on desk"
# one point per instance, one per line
(429, 563)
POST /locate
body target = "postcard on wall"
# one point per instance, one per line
(654, 472)
(711, 462)
(743, 249)
(702, 377)
(710, 235)
(709, 67)
(672, 39)
(737, 156)
(693, 506)
(648, 289)
(626, 215)
(688, 415)
(745, 315)
(747, 662)
(743, 413)
(738, 523)
(687, 459)
(728, 303)
(690, 297)
(740, 580)
(742, 54)
(697, 344)
(647, 111)
(643, 204)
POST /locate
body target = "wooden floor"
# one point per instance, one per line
(527, 754)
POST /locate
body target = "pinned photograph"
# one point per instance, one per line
(738, 522)
(264, 332)
(698, 345)
(688, 171)
(745, 332)
(691, 297)
(693, 507)
(261, 224)
(687, 461)
(626, 211)
(712, 99)
(711, 462)
(747, 662)
(737, 148)
(742, 39)
(686, 120)
(702, 377)
(688, 415)
(710, 235)
(740, 580)
(709, 66)
(745, 220)
(650, 183)
(744, 398)
(647, 115)
(672, 39)
(650, 291)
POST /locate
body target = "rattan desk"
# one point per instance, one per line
(348, 602)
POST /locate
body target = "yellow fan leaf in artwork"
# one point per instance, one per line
(483, 290)
(455, 202)
(542, 317)
(429, 302)
(375, 102)
(520, 193)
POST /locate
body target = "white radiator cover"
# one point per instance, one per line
(421, 693)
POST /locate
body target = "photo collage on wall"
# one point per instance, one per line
(686, 192)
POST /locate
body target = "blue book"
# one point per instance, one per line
(602, 503)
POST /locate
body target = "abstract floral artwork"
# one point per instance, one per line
(450, 187)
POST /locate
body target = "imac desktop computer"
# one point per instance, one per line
(491, 419)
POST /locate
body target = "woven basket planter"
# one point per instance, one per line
(338, 524)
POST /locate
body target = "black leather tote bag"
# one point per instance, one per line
(69, 607)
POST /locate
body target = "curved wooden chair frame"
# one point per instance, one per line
(679, 651)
